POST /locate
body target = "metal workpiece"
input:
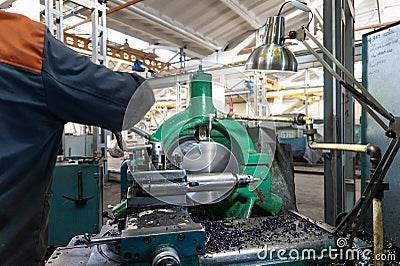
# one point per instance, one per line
(201, 188)
(207, 157)
(245, 180)
(142, 177)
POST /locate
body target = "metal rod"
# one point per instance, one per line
(339, 147)
(298, 120)
(348, 219)
(80, 186)
(265, 118)
(322, 61)
(345, 71)
(138, 147)
(374, 26)
(141, 133)
(105, 240)
(362, 98)
(377, 219)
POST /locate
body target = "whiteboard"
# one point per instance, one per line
(381, 77)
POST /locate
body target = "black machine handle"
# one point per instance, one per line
(80, 200)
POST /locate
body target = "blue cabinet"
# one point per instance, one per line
(76, 205)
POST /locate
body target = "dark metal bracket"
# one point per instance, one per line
(80, 201)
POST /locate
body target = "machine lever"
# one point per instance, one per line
(99, 241)
(80, 200)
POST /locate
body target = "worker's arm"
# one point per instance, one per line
(78, 90)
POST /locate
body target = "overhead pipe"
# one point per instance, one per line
(375, 26)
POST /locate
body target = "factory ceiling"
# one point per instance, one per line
(203, 27)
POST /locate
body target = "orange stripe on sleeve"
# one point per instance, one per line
(21, 41)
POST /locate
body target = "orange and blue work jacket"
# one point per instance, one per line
(43, 85)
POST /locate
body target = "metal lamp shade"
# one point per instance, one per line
(272, 58)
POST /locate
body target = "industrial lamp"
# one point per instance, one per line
(273, 56)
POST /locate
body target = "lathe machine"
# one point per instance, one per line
(201, 191)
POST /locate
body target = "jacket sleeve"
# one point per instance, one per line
(80, 91)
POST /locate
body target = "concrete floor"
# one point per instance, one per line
(310, 195)
(309, 192)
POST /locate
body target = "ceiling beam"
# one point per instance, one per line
(112, 10)
(243, 44)
(201, 40)
(239, 9)
(154, 32)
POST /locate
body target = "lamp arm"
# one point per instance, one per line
(334, 74)
(364, 98)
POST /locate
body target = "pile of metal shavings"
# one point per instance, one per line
(255, 233)
(391, 253)
(174, 216)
